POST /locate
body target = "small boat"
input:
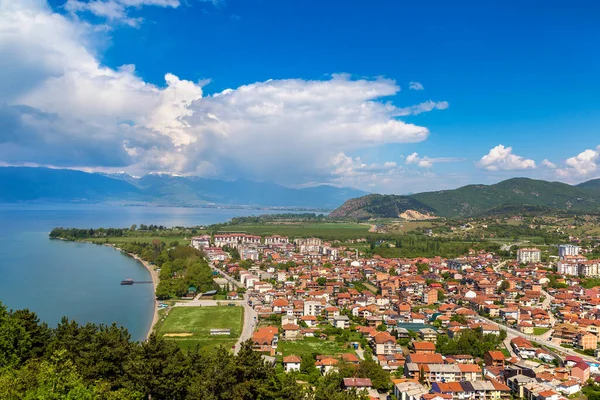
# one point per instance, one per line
(127, 281)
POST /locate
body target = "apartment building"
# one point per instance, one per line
(529, 255)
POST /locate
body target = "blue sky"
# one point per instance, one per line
(504, 88)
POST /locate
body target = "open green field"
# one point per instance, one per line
(540, 331)
(193, 325)
(141, 239)
(312, 345)
(325, 230)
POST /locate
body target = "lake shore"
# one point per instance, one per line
(155, 280)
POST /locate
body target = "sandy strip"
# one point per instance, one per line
(155, 280)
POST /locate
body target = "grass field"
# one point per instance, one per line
(310, 345)
(196, 323)
(540, 331)
(333, 230)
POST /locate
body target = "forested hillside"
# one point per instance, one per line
(510, 196)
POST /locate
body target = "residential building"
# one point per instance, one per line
(568, 250)
(291, 363)
(430, 296)
(529, 255)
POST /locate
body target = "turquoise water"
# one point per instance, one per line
(78, 280)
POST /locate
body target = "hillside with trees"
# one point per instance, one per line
(510, 196)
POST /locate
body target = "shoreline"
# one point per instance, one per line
(155, 280)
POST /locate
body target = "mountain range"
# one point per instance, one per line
(512, 196)
(28, 184)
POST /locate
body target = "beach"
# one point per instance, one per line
(155, 280)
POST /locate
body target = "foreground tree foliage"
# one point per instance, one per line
(90, 361)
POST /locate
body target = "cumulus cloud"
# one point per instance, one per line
(548, 164)
(413, 85)
(584, 164)
(501, 158)
(62, 107)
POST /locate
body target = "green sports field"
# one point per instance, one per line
(190, 326)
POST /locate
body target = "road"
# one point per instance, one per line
(512, 333)
(250, 316)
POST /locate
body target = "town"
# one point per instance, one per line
(477, 326)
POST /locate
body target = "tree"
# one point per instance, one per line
(321, 281)
(504, 286)
(441, 295)
(372, 370)
(381, 328)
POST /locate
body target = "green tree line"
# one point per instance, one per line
(82, 362)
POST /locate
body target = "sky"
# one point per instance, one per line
(386, 96)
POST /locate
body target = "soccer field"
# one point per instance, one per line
(190, 326)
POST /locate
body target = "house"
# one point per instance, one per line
(523, 347)
(548, 395)
(494, 358)
(342, 322)
(569, 387)
(409, 390)
(350, 358)
(581, 371)
(430, 296)
(586, 341)
(327, 365)
(424, 347)
(265, 338)
(357, 383)
(290, 331)
(233, 296)
(428, 334)
(384, 343)
(309, 320)
(291, 363)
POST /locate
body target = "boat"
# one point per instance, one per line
(127, 281)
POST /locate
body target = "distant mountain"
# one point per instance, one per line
(24, 184)
(510, 196)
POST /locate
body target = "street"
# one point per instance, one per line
(250, 316)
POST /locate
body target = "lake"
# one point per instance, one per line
(55, 278)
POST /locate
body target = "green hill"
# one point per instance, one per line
(510, 196)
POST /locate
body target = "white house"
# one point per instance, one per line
(291, 363)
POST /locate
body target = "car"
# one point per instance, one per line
(231, 305)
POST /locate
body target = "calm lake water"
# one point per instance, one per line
(79, 280)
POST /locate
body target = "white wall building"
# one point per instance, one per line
(568, 250)
(529, 255)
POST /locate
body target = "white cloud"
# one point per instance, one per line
(413, 85)
(120, 10)
(584, 164)
(116, 10)
(69, 110)
(502, 158)
(548, 164)
(422, 107)
(427, 162)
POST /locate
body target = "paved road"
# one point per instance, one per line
(250, 316)
(512, 333)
